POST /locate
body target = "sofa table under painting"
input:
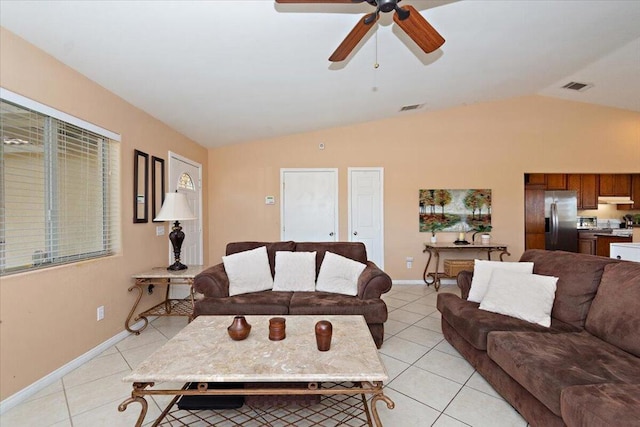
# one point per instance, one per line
(434, 250)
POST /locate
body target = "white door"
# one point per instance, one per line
(309, 205)
(186, 177)
(366, 220)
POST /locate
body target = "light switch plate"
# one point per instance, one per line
(159, 230)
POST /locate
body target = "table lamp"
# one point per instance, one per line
(175, 208)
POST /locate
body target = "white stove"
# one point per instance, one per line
(625, 251)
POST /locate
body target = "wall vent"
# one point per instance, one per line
(411, 107)
(577, 86)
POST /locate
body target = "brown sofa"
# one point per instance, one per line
(584, 370)
(213, 283)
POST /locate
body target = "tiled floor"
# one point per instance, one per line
(430, 383)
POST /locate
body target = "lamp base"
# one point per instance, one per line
(176, 266)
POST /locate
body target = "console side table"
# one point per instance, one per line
(168, 307)
(434, 249)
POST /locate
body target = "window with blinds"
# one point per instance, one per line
(59, 195)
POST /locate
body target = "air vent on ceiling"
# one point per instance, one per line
(580, 87)
(411, 107)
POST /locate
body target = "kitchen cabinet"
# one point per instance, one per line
(589, 185)
(534, 217)
(534, 179)
(556, 181)
(603, 243)
(586, 187)
(587, 243)
(615, 184)
(635, 194)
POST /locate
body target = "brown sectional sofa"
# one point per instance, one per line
(584, 370)
(213, 283)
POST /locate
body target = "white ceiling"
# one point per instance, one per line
(224, 72)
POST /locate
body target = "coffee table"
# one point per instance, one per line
(203, 353)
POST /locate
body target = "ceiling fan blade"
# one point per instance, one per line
(319, 1)
(420, 31)
(353, 38)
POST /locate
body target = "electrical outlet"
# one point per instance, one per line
(100, 312)
(409, 262)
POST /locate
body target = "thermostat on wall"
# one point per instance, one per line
(270, 200)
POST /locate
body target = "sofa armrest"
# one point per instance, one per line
(212, 282)
(464, 282)
(373, 282)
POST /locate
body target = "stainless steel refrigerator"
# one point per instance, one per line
(560, 217)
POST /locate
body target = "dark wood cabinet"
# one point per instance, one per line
(534, 179)
(534, 217)
(603, 242)
(556, 181)
(586, 187)
(635, 194)
(587, 243)
(615, 184)
(574, 183)
(589, 190)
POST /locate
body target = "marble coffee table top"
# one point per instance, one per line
(204, 352)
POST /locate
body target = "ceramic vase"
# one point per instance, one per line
(324, 330)
(239, 328)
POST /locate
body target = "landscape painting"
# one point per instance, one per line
(454, 210)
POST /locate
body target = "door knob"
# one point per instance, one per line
(355, 233)
(331, 234)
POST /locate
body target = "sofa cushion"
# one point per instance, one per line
(295, 271)
(615, 314)
(482, 271)
(578, 279)
(524, 296)
(373, 310)
(272, 248)
(353, 250)
(248, 271)
(474, 325)
(599, 405)
(265, 302)
(339, 274)
(545, 364)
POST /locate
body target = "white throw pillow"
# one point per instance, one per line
(295, 271)
(339, 274)
(482, 272)
(248, 271)
(524, 296)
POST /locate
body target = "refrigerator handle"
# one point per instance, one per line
(554, 224)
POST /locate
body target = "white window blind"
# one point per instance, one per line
(59, 196)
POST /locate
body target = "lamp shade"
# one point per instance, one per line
(175, 208)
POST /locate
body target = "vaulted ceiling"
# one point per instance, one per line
(224, 72)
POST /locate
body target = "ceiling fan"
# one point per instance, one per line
(407, 17)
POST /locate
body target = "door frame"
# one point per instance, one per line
(350, 208)
(172, 157)
(336, 208)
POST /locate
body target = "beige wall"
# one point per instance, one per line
(48, 317)
(488, 145)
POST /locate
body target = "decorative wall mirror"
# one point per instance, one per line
(140, 187)
(157, 186)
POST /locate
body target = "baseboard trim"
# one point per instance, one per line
(421, 282)
(24, 394)
(407, 282)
